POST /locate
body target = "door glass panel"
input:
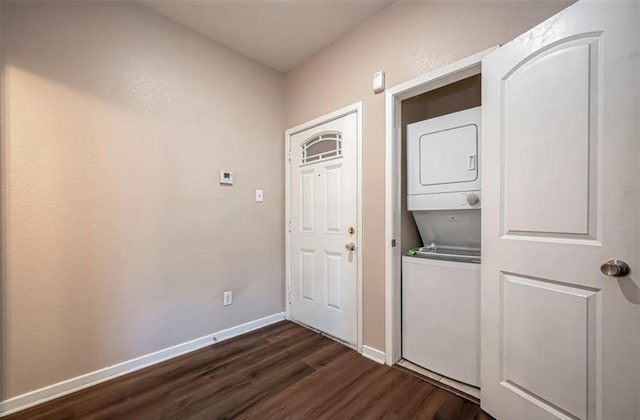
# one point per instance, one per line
(323, 146)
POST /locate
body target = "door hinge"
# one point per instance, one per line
(289, 154)
(289, 226)
(393, 243)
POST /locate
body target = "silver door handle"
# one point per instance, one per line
(615, 268)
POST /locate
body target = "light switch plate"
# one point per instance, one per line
(259, 196)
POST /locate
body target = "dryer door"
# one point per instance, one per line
(442, 153)
(449, 156)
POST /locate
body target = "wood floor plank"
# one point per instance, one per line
(302, 399)
(354, 398)
(259, 391)
(325, 355)
(418, 401)
(332, 383)
(278, 372)
(389, 402)
(295, 353)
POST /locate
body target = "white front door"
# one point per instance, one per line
(323, 211)
(561, 181)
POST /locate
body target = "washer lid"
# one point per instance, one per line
(450, 253)
(453, 228)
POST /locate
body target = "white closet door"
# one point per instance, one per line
(561, 181)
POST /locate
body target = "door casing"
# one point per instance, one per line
(442, 76)
(353, 108)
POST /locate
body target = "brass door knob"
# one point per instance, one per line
(350, 246)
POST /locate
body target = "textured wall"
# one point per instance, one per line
(117, 239)
(405, 40)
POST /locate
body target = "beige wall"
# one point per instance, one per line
(405, 40)
(117, 238)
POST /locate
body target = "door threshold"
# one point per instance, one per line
(336, 339)
(463, 390)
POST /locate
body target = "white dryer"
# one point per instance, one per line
(443, 162)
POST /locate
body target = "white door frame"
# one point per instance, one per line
(442, 76)
(357, 108)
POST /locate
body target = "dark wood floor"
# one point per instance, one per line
(283, 371)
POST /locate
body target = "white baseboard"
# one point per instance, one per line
(59, 389)
(373, 354)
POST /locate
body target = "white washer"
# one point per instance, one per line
(440, 317)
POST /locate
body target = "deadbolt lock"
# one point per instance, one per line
(351, 230)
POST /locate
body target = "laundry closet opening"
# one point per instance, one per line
(440, 233)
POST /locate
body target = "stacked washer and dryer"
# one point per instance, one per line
(441, 279)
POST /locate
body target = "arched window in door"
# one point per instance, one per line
(322, 146)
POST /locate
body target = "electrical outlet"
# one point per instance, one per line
(227, 298)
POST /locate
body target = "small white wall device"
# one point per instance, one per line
(226, 177)
(378, 81)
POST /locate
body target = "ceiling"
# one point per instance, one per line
(278, 33)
